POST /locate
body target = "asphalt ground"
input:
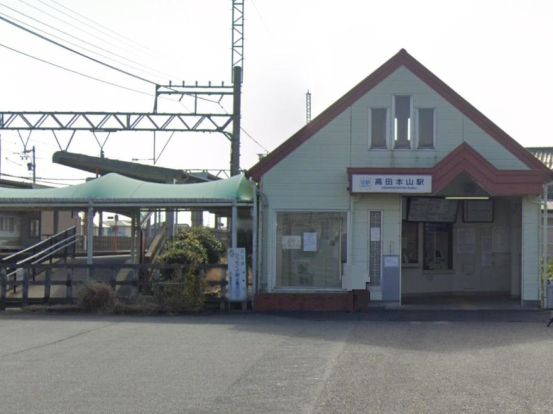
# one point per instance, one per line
(376, 362)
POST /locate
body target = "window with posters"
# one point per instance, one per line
(311, 248)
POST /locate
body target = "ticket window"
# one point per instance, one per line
(437, 246)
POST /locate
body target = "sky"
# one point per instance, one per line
(496, 54)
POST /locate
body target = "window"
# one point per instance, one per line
(438, 246)
(379, 121)
(11, 224)
(375, 247)
(426, 127)
(34, 228)
(311, 248)
(409, 243)
(402, 121)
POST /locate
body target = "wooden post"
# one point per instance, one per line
(224, 282)
(113, 278)
(25, 291)
(47, 285)
(69, 285)
(3, 289)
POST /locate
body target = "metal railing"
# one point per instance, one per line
(61, 244)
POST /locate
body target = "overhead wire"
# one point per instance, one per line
(134, 62)
(84, 18)
(74, 71)
(30, 26)
(84, 55)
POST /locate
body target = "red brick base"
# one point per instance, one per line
(351, 301)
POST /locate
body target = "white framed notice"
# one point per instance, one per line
(310, 242)
(375, 234)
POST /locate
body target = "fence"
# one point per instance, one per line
(58, 283)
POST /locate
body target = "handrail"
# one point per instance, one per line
(157, 243)
(33, 248)
(64, 243)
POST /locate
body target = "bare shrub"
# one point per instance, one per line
(96, 297)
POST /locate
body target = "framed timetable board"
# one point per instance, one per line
(478, 211)
(432, 210)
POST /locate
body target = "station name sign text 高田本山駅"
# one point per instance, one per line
(391, 183)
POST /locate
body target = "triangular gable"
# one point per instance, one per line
(466, 160)
(402, 58)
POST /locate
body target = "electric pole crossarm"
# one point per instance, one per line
(119, 121)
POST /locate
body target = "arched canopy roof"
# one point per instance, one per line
(114, 190)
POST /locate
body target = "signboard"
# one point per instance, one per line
(391, 290)
(432, 210)
(391, 183)
(237, 287)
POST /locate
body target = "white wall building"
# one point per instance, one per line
(401, 188)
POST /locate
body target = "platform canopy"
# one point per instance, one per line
(114, 190)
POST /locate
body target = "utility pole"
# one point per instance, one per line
(236, 113)
(308, 107)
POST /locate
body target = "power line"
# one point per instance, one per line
(141, 65)
(253, 139)
(76, 51)
(58, 37)
(27, 25)
(74, 71)
(86, 18)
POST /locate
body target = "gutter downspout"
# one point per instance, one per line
(545, 258)
(254, 247)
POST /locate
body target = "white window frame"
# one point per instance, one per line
(371, 283)
(272, 285)
(392, 123)
(387, 126)
(433, 128)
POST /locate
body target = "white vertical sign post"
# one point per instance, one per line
(237, 288)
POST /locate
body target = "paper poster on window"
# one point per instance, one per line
(466, 241)
(391, 261)
(310, 242)
(500, 240)
(291, 242)
(375, 234)
(486, 248)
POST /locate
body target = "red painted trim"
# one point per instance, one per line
(466, 160)
(402, 58)
(350, 301)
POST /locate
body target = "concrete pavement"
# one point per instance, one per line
(297, 363)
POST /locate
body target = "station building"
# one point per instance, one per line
(400, 190)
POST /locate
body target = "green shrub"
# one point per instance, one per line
(96, 297)
(192, 248)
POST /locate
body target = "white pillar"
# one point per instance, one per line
(234, 228)
(90, 235)
(254, 246)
